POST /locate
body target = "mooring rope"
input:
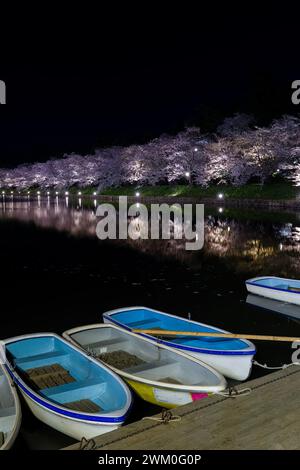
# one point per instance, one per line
(284, 366)
(87, 444)
(232, 392)
(165, 418)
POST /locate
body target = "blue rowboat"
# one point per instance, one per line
(65, 388)
(231, 357)
(277, 288)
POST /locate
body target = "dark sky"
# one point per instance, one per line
(122, 83)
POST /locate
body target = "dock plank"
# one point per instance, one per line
(268, 418)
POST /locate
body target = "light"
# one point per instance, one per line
(56, 192)
(228, 229)
(195, 149)
(94, 193)
(66, 193)
(3, 192)
(79, 194)
(187, 174)
(28, 192)
(220, 195)
(12, 193)
(38, 193)
(137, 194)
(220, 210)
(280, 246)
(48, 193)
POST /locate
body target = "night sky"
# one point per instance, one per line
(124, 83)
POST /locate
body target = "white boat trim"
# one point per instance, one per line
(18, 413)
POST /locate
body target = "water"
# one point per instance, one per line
(56, 275)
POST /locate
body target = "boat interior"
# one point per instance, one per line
(279, 283)
(64, 376)
(134, 355)
(7, 409)
(143, 318)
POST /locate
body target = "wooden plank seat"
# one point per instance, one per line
(2, 439)
(48, 376)
(85, 405)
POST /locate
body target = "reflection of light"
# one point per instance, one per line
(220, 195)
(137, 194)
(220, 210)
(137, 204)
(228, 229)
(280, 246)
(95, 202)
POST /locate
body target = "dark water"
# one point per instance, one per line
(55, 274)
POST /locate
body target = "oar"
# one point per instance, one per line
(216, 335)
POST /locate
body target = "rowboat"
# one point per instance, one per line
(277, 288)
(157, 373)
(10, 411)
(284, 308)
(231, 357)
(65, 388)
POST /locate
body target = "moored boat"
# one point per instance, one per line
(277, 288)
(10, 410)
(231, 357)
(65, 388)
(157, 373)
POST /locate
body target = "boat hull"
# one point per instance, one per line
(72, 428)
(273, 293)
(164, 397)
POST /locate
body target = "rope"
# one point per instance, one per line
(166, 417)
(87, 444)
(284, 366)
(232, 392)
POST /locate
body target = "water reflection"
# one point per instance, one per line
(268, 245)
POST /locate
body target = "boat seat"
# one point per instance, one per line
(31, 362)
(76, 391)
(2, 439)
(137, 324)
(148, 366)
(104, 343)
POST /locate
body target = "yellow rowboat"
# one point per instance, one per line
(156, 372)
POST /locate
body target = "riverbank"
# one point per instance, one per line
(267, 418)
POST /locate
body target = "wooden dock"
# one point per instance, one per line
(267, 418)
